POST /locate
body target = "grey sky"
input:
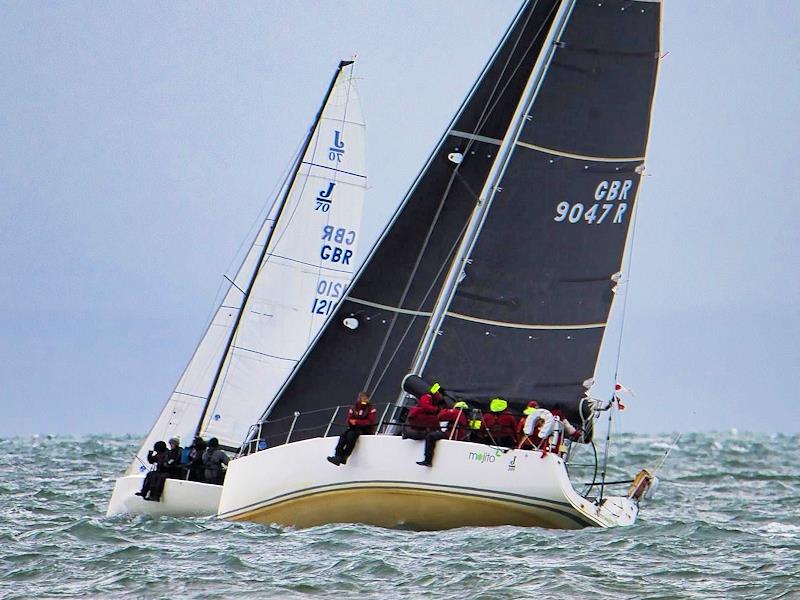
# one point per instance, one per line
(138, 143)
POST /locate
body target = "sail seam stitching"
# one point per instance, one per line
(305, 162)
(463, 317)
(579, 156)
(477, 138)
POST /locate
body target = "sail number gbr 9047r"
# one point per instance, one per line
(610, 205)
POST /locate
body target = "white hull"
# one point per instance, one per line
(180, 498)
(381, 484)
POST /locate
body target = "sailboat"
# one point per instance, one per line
(296, 270)
(494, 278)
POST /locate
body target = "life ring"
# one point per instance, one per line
(545, 429)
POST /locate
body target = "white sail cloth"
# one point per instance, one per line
(309, 263)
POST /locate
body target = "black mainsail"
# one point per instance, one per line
(526, 317)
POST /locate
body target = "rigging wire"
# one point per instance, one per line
(489, 106)
(289, 219)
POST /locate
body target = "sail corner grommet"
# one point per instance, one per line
(455, 157)
(351, 323)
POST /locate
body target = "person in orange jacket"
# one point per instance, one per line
(453, 425)
(361, 419)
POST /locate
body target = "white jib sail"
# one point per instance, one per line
(309, 262)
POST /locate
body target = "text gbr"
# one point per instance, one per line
(605, 195)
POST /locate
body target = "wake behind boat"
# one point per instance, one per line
(496, 276)
(292, 277)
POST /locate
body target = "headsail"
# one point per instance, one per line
(398, 285)
(530, 307)
(308, 262)
(529, 315)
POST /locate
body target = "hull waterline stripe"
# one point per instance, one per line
(580, 156)
(387, 485)
(454, 315)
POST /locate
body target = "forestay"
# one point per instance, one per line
(530, 308)
(530, 312)
(397, 287)
(309, 260)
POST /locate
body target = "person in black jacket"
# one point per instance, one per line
(213, 460)
(196, 470)
(174, 468)
(153, 483)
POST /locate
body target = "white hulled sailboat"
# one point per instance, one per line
(495, 277)
(295, 272)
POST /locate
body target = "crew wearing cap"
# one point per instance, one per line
(500, 424)
(452, 425)
(527, 441)
(173, 464)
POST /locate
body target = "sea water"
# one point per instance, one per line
(725, 523)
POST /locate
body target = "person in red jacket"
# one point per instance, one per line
(453, 425)
(422, 418)
(361, 419)
(500, 424)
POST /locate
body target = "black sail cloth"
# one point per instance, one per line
(397, 288)
(538, 291)
(528, 319)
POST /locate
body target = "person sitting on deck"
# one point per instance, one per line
(361, 419)
(500, 424)
(453, 425)
(422, 418)
(174, 453)
(529, 440)
(195, 465)
(153, 483)
(213, 459)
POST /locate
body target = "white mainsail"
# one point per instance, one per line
(242, 360)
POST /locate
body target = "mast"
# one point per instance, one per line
(262, 256)
(488, 192)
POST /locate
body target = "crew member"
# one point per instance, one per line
(528, 441)
(422, 418)
(500, 424)
(213, 460)
(361, 419)
(174, 453)
(453, 425)
(570, 430)
(153, 484)
(196, 460)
